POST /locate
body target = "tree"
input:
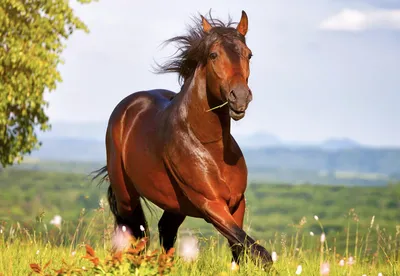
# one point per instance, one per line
(32, 37)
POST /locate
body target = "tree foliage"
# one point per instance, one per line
(32, 37)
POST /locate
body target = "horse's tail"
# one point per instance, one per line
(112, 202)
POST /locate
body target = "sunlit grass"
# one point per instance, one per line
(303, 253)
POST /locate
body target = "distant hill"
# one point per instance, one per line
(96, 131)
(267, 156)
(311, 158)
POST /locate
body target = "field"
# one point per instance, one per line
(361, 224)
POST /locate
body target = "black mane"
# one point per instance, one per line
(193, 48)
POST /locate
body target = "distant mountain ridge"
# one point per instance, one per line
(95, 131)
(84, 142)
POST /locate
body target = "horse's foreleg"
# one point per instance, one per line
(238, 216)
(218, 214)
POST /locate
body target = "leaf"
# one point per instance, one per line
(36, 268)
(47, 265)
(90, 251)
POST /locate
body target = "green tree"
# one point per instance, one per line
(32, 37)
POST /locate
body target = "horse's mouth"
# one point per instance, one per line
(235, 114)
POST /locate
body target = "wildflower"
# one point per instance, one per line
(350, 261)
(341, 262)
(234, 266)
(101, 203)
(56, 221)
(83, 267)
(303, 221)
(380, 274)
(141, 228)
(274, 256)
(121, 238)
(372, 221)
(316, 217)
(312, 234)
(324, 269)
(37, 252)
(73, 253)
(364, 275)
(188, 248)
(299, 269)
(322, 237)
(1, 231)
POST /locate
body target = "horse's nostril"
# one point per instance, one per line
(232, 96)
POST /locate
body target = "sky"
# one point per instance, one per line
(320, 69)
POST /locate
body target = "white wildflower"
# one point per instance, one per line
(101, 203)
(141, 228)
(351, 261)
(316, 217)
(56, 221)
(341, 262)
(274, 256)
(299, 270)
(234, 266)
(73, 253)
(312, 234)
(188, 248)
(121, 238)
(37, 252)
(380, 274)
(323, 237)
(324, 269)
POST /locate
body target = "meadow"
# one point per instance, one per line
(359, 228)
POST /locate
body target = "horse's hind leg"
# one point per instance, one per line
(168, 228)
(123, 198)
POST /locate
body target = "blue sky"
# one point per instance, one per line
(320, 69)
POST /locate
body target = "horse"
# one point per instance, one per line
(176, 149)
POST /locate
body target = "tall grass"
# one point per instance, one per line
(47, 249)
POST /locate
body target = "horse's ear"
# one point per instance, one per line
(206, 26)
(243, 24)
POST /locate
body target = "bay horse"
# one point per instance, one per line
(176, 149)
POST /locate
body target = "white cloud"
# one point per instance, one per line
(357, 20)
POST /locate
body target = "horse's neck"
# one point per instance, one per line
(208, 127)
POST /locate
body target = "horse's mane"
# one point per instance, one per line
(193, 47)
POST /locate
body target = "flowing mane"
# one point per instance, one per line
(192, 48)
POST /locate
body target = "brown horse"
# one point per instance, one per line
(176, 149)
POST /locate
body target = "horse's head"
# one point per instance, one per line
(227, 65)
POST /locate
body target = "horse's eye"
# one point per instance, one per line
(213, 55)
(250, 55)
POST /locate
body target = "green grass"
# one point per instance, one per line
(280, 216)
(374, 252)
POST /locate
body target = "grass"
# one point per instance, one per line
(23, 251)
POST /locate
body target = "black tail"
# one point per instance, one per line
(110, 194)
